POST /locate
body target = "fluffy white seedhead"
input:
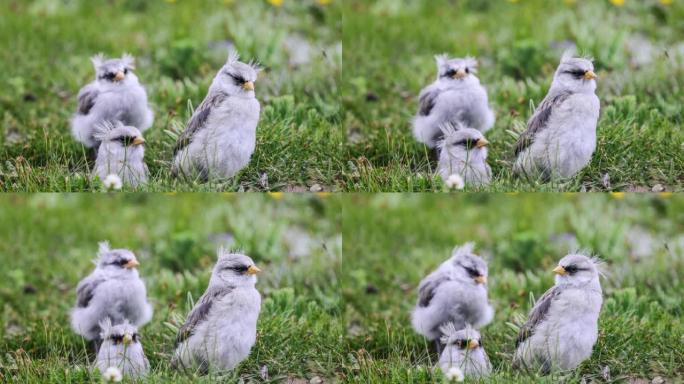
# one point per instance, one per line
(465, 249)
(128, 60)
(97, 60)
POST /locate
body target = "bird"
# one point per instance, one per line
(220, 330)
(562, 327)
(113, 290)
(455, 292)
(115, 94)
(463, 151)
(121, 153)
(121, 348)
(456, 96)
(221, 134)
(560, 138)
(464, 350)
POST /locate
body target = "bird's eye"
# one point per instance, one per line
(472, 272)
(125, 140)
(135, 337)
(461, 343)
(110, 76)
(239, 268)
(578, 73)
(467, 70)
(450, 73)
(571, 269)
(479, 342)
(117, 339)
(125, 71)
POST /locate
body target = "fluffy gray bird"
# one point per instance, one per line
(115, 95)
(221, 135)
(121, 348)
(561, 135)
(563, 325)
(464, 350)
(456, 292)
(121, 152)
(221, 329)
(456, 96)
(114, 290)
(464, 152)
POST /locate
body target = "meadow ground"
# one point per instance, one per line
(388, 58)
(47, 243)
(392, 241)
(45, 46)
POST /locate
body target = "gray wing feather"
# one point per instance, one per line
(538, 313)
(86, 290)
(199, 312)
(427, 100)
(199, 118)
(427, 288)
(539, 120)
(86, 99)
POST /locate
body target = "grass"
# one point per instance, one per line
(47, 243)
(388, 58)
(179, 48)
(392, 241)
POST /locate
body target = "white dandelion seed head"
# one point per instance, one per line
(112, 375)
(454, 374)
(455, 181)
(112, 181)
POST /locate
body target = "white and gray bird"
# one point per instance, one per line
(464, 350)
(114, 290)
(115, 95)
(464, 152)
(121, 348)
(561, 135)
(456, 292)
(220, 330)
(121, 152)
(456, 96)
(221, 134)
(562, 328)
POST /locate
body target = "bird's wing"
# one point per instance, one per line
(199, 312)
(538, 313)
(427, 288)
(199, 118)
(427, 99)
(86, 290)
(86, 98)
(539, 120)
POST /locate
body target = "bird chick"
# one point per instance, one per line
(221, 328)
(121, 348)
(455, 292)
(121, 152)
(464, 350)
(115, 95)
(562, 328)
(113, 290)
(464, 152)
(561, 134)
(221, 134)
(456, 96)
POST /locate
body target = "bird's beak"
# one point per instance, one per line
(131, 264)
(253, 270)
(481, 279)
(461, 73)
(472, 344)
(138, 140)
(559, 270)
(248, 86)
(481, 143)
(119, 76)
(590, 75)
(127, 339)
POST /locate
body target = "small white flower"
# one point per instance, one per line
(455, 181)
(454, 374)
(112, 374)
(112, 181)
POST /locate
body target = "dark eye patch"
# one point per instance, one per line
(135, 337)
(576, 72)
(471, 271)
(450, 73)
(117, 339)
(467, 143)
(467, 70)
(125, 140)
(237, 79)
(572, 269)
(125, 71)
(238, 268)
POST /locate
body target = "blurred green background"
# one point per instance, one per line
(392, 241)
(48, 242)
(179, 46)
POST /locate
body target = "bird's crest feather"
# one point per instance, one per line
(128, 60)
(103, 247)
(233, 56)
(464, 249)
(105, 326)
(97, 60)
(103, 128)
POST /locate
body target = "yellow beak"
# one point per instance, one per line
(138, 140)
(253, 270)
(127, 339)
(559, 270)
(248, 86)
(481, 279)
(590, 75)
(482, 143)
(119, 76)
(461, 73)
(131, 264)
(472, 344)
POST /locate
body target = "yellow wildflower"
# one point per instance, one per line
(618, 195)
(618, 3)
(276, 3)
(276, 195)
